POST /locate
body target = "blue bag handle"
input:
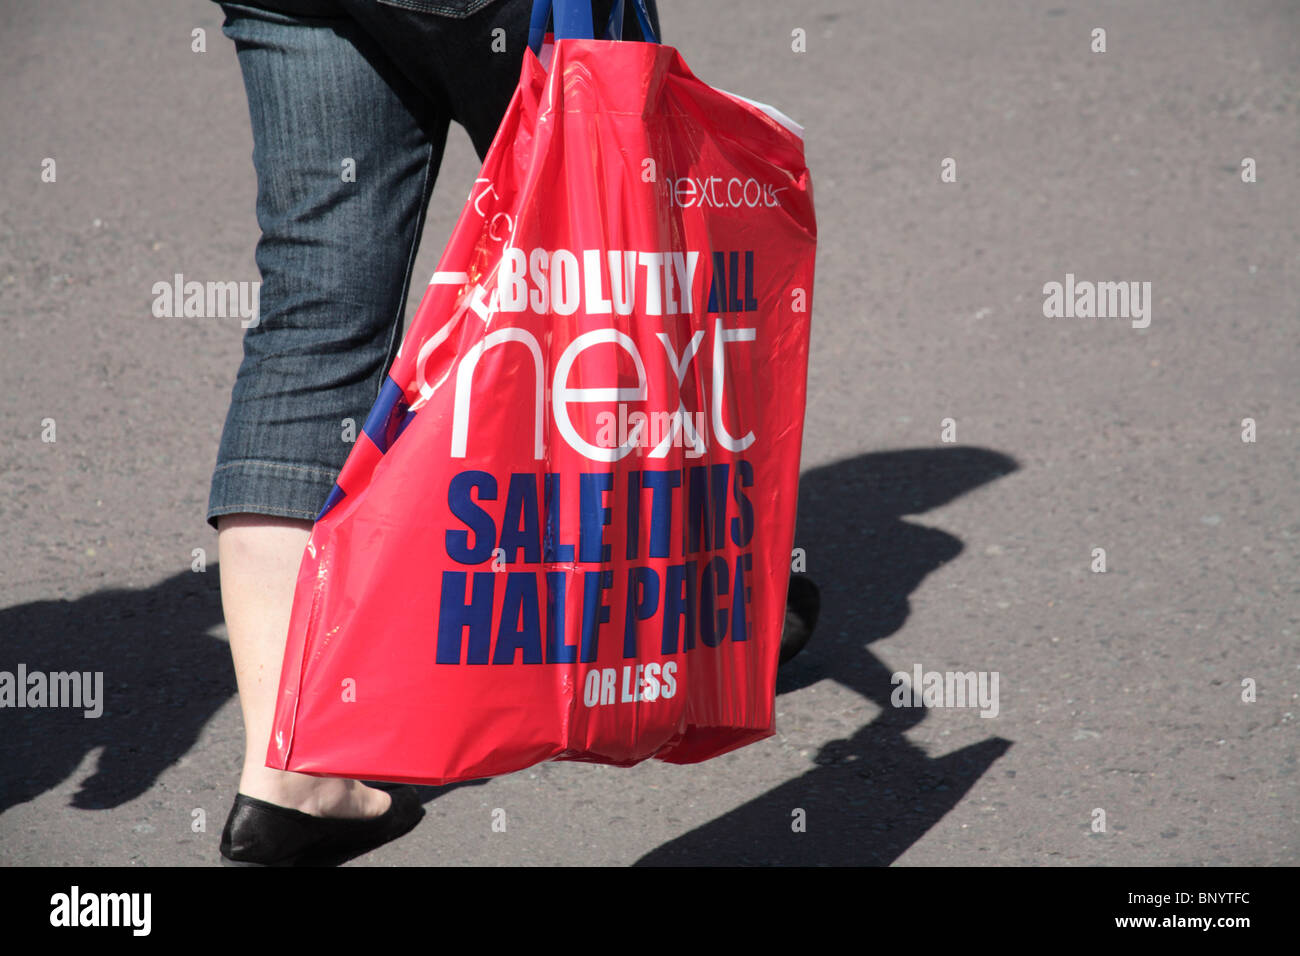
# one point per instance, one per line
(614, 29)
(573, 20)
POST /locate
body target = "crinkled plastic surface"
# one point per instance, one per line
(565, 531)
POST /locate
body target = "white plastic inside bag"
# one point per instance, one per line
(771, 111)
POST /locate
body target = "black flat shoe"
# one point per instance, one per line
(802, 604)
(258, 833)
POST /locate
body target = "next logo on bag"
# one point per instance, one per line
(719, 192)
(667, 283)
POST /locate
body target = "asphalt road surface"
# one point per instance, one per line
(1158, 697)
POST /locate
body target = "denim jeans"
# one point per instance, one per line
(370, 85)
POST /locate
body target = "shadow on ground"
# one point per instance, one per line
(873, 795)
(165, 676)
(868, 799)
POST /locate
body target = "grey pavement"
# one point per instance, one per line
(1119, 691)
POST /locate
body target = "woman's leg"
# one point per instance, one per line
(259, 558)
(346, 152)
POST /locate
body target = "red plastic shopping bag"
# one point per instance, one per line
(565, 531)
